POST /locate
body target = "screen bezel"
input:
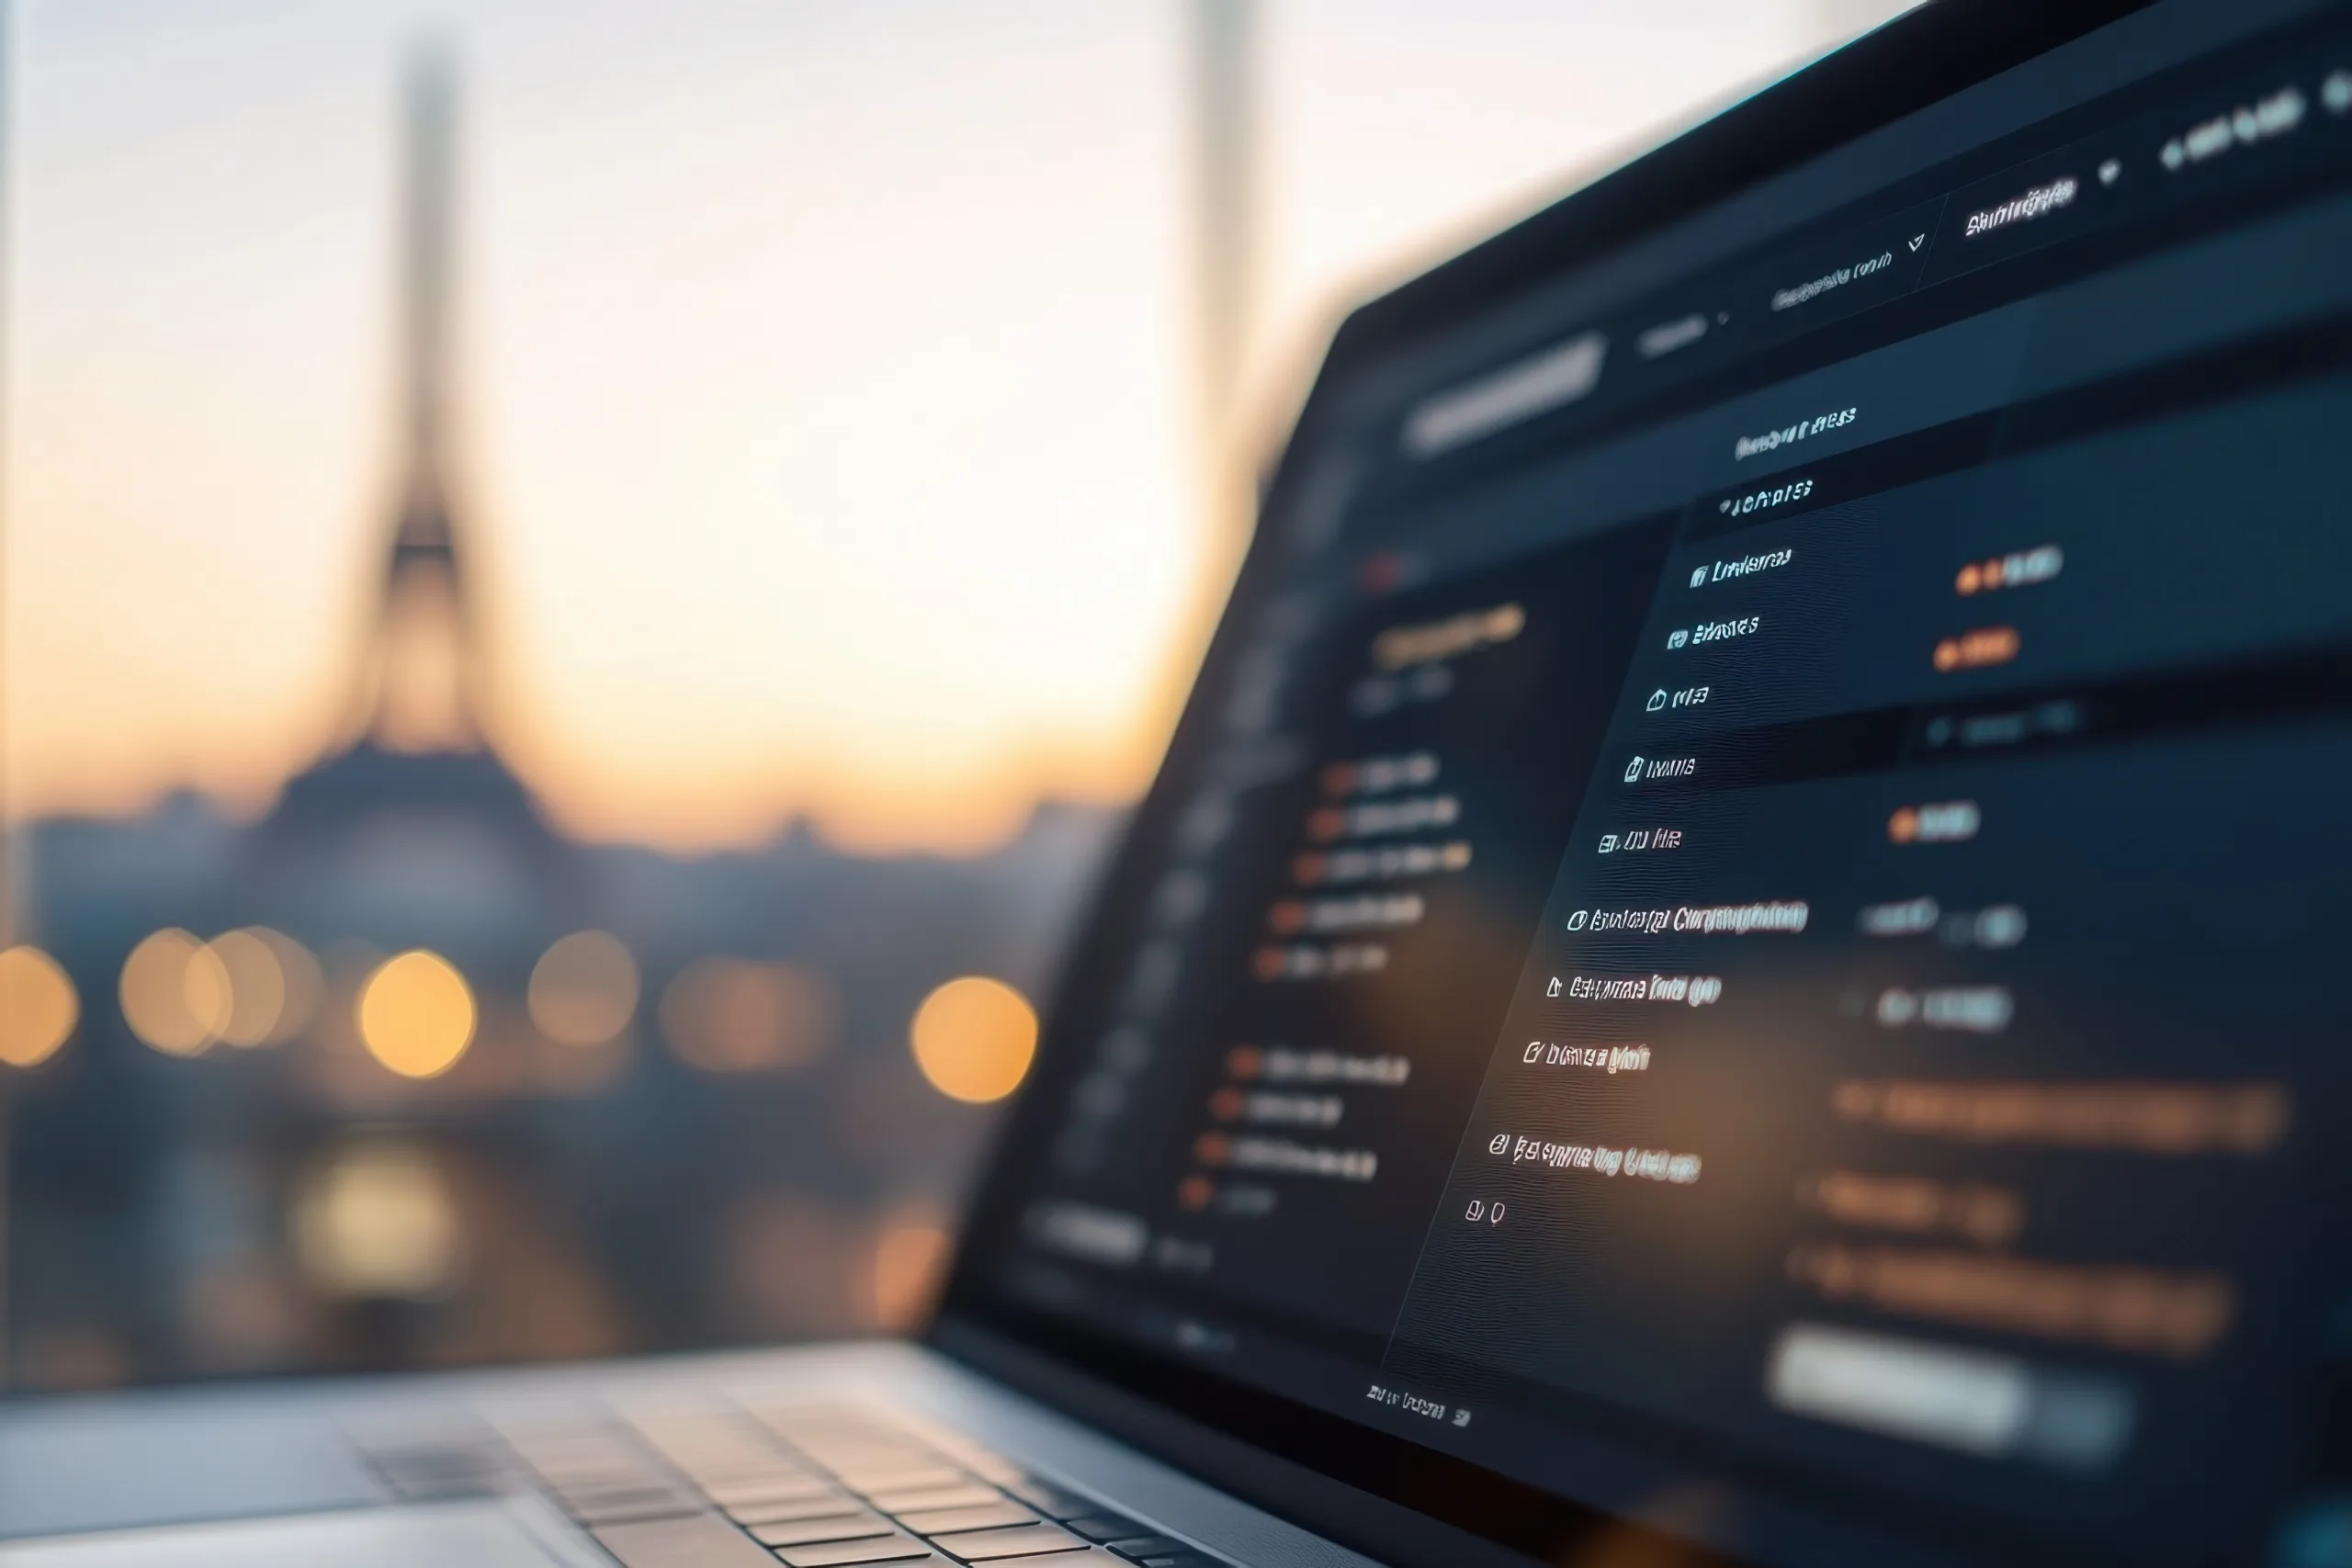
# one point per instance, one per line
(1383, 1494)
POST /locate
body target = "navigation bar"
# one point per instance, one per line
(2285, 123)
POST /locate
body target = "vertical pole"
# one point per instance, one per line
(1218, 103)
(1223, 224)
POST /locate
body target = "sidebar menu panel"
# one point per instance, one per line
(1352, 930)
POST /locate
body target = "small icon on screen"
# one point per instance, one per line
(1698, 577)
(1678, 639)
(1576, 921)
(1553, 988)
(1658, 700)
(1634, 769)
(1609, 843)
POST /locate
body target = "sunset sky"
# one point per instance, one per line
(825, 398)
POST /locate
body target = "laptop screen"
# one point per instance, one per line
(1746, 928)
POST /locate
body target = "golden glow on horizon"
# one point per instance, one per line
(583, 989)
(38, 1007)
(777, 507)
(175, 993)
(416, 1014)
(973, 1038)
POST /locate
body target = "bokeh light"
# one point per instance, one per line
(304, 983)
(973, 1037)
(735, 1015)
(175, 993)
(38, 1007)
(416, 1014)
(378, 1220)
(583, 989)
(256, 987)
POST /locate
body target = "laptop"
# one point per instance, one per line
(1738, 957)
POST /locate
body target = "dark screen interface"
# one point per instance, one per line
(1762, 886)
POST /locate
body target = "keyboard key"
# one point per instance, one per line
(584, 1476)
(588, 1465)
(840, 1553)
(627, 1503)
(968, 1495)
(873, 1456)
(1022, 1540)
(810, 1532)
(563, 1450)
(768, 1472)
(745, 1453)
(1147, 1546)
(787, 1509)
(986, 1515)
(703, 1542)
(774, 1467)
(723, 1464)
(872, 1453)
(639, 1506)
(869, 1454)
(1106, 1526)
(778, 1489)
(988, 1466)
(900, 1478)
(610, 1485)
(1052, 1500)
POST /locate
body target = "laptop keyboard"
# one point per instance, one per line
(803, 1486)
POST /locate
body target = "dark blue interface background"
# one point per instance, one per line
(1780, 917)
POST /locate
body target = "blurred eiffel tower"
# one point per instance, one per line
(412, 829)
(419, 682)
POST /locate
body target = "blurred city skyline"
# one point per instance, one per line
(824, 431)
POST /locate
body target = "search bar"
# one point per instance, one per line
(1538, 384)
